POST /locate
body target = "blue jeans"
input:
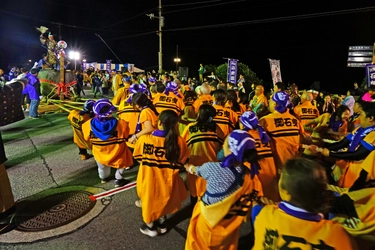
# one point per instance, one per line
(33, 110)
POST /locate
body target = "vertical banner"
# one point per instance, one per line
(131, 68)
(232, 71)
(84, 65)
(370, 73)
(108, 65)
(275, 71)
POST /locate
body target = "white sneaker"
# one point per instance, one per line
(150, 231)
(138, 203)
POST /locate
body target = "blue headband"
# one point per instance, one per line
(250, 121)
(282, 100)
(239, 141)
(99, 105)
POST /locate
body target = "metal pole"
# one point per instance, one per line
(176, 58)
(161, 21)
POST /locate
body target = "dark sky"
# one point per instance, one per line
(310, 49)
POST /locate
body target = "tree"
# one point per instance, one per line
(243, 69)
(210, 68)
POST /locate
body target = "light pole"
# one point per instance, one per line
(74, 55)
(177, 60)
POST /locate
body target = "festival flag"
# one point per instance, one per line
(108, 65)
(84, 65)
(275, 71)
(232, 70)
(370, 73)
(131, 68)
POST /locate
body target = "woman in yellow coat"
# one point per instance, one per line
(217, 217)
(159, 185)
(205, 139)
(268, 172)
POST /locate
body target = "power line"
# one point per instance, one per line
(63, 24)
(276, 19)
(200, 7)
(184, 4)
(130, 18)
(76, 7)
(132, 36)
(252, 7)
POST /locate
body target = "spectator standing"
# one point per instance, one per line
(349, 100)
(42, 62)
(33, 89)
(357, 90)
(79, 85)
(201, 72)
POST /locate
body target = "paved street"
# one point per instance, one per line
(42, 157)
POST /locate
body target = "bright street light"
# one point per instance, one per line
(177, 60)
(74, 55)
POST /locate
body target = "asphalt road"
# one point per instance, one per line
(42, 156)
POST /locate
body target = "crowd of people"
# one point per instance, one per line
(297, 165)
(292, 163)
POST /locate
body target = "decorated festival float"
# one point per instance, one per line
(57, 84)
(54, 79)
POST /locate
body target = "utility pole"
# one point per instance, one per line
(159, 32)
(161, 24)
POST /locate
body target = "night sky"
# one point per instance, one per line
(310, 49)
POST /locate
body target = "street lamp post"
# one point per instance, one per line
(177, 60)
(74, 55)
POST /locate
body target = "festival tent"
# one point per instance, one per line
(103, 66)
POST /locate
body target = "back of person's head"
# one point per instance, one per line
(153, 89)
(169, 120)
(142, 100)
(160, 87)
(205, 89)
(306, 96)
(190, 95)
(351, 92)
(232, 96)
(369, 109)
(244, 98)
(34, 71)
(222, 86)
(24, 70)
(206, 114)
(240, 147)
(103, 109)
(280, 86)
(303, 183)
(220, 96)
(88, 107)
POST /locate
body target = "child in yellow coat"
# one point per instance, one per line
(77, 118)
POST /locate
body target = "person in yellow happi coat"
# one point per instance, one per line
(159, 185)
(230, 189)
